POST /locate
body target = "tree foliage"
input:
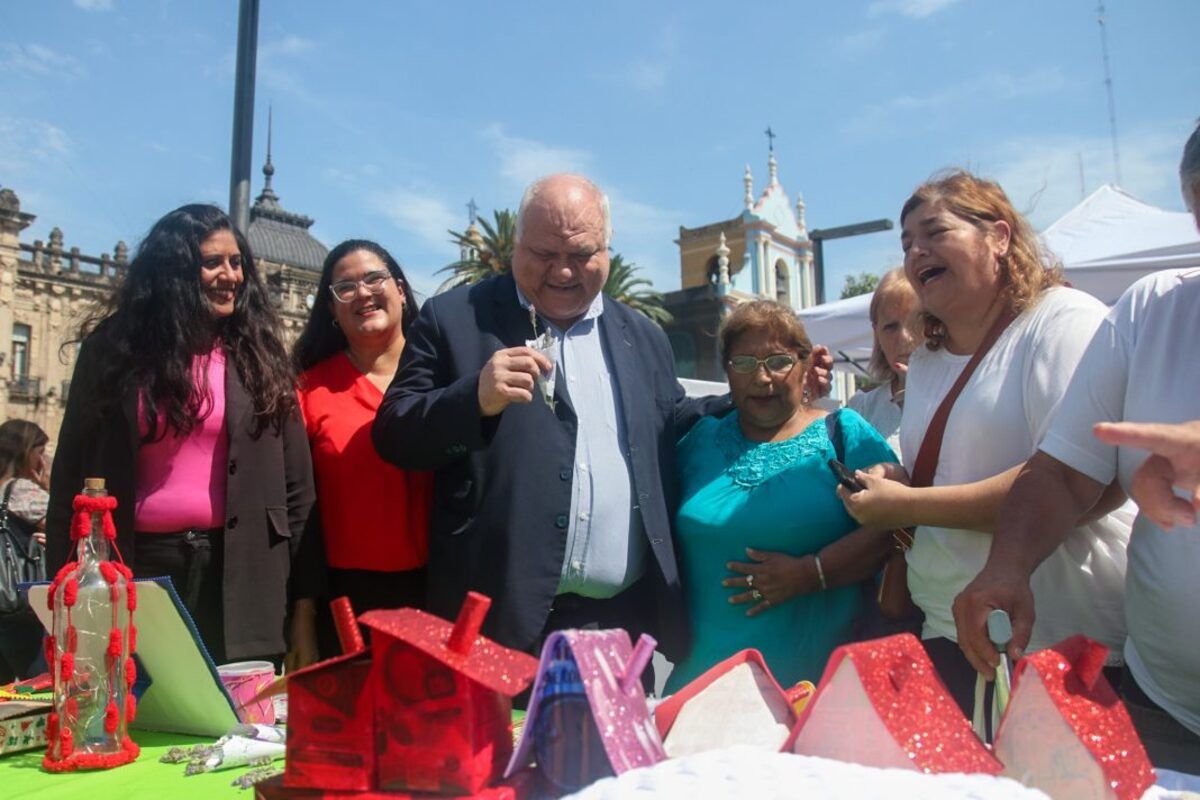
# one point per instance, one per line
(863, 283)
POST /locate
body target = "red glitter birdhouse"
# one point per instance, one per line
(737, 701)
(1066, 732)
(331, 717)
(881, 704)
(442, 699)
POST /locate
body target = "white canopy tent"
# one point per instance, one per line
(1105, 243)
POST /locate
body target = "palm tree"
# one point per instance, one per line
(624, 286)
(491, 252)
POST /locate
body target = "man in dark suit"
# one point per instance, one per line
(560, 512)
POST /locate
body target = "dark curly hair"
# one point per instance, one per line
(321, 338)
(156, 321)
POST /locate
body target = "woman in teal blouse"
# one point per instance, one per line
(770, 558)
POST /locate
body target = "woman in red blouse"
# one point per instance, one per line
(374, 516)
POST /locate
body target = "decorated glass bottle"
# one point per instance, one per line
(90, 650)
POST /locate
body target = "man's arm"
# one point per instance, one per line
(1047, 499)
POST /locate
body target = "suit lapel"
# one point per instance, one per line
(238, 406)
(615, 330)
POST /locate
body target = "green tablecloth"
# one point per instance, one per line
(21, 776)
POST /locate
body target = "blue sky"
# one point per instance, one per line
(390, 116)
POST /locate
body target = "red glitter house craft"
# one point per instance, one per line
(880, 703)
(428, 708)
(1066, 732)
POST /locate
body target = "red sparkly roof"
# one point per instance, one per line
(1087, 701)
(505, 671)
(913, 704)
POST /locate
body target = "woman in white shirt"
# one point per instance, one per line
(893, 307)
(973, 260)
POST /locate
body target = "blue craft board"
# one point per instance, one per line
(184, 693)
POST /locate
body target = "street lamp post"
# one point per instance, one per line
(243, 115)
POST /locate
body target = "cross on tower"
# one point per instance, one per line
(770, 139)
(471, 209)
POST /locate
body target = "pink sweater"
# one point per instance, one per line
(181, 479)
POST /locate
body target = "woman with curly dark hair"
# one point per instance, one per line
(374, 516)
(183, 399)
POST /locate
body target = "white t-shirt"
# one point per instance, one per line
(878, 408)
(997, 422)
(1144, 366)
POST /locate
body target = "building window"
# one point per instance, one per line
(782, 287)
(20, 351)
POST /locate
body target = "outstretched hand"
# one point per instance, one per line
(883, 503)
(1174, 463)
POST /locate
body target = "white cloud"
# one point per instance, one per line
(523, 161)
(882, 118)
(916, 9)
(289, 45)
(860, 42)
(36, 59)
(1041, 174)
(650, 73)
(94, 5)
(420, 213)
(27, 144)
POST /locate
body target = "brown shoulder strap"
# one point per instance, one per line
(931, 445)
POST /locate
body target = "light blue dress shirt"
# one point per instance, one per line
(606, 541)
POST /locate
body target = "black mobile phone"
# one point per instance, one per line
(845, 476)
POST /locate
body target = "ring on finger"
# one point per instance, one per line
(750, 581)
(756, 594)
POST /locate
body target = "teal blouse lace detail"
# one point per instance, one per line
(750, 464)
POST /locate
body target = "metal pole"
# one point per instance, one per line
(818, 250)
(243, 115)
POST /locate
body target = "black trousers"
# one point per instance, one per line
(1168, 743)
(368, 590)
(194, 560)
(20, 646)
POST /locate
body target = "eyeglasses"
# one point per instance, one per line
(776, 364)
(345, 291)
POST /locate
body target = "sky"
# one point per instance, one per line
(390, 116)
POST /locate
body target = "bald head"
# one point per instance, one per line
(561, 257)
(564, 189)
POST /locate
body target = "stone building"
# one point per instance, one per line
(46, 290)
(763, 252)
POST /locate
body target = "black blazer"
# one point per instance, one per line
(502, 486)
(268, 497)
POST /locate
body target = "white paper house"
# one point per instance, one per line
(1066, 732)
(737, 701)
(881, 704)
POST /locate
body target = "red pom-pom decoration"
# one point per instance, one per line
(49, 645)
(72, 639)
(124, 570)
(130, 709)
(131, 595)
(132, 636)
(108, 571)
(51, 726)
(66, 667)
(130, 672)
(114, 644)
(66, 743)
(111, 717)
(70, 592)
(71, 709)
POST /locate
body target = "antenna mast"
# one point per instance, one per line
(1108, 86)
